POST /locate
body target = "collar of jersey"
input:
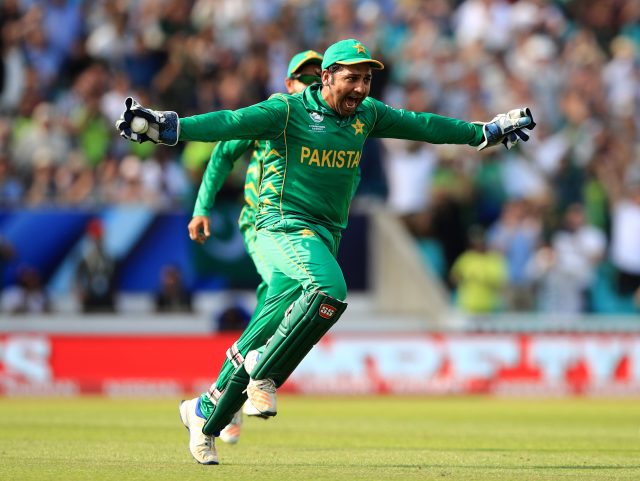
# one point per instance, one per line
(313, 102)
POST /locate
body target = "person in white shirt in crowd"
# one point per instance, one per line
(565, 269)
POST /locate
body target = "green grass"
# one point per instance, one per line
(369, 439)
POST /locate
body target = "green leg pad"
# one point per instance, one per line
(304, 323)
(231, 399)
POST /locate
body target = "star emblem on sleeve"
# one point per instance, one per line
(360, 48)
(358, 127)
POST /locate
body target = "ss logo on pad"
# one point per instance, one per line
(326, 311)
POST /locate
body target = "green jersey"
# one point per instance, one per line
(220, 165)
(311, 154)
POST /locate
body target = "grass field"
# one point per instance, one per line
(370, 439)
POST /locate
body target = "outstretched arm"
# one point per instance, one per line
(265, 120)
(437, 129)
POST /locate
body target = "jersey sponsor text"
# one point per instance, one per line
(338, 159)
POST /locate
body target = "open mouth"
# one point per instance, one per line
(352, 102)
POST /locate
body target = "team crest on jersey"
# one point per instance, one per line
(317, 117)
(358, 127)
(326, 311)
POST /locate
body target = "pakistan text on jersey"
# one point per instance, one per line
(337, 159)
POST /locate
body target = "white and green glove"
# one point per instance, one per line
(140, 124)
(507, 129)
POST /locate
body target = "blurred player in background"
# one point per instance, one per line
(303, 70)
(315, 142)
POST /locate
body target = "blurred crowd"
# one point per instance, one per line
(540, 227)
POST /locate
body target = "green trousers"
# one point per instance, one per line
(292, 257)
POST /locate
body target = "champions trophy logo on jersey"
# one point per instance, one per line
(317, 117)
(326, 311)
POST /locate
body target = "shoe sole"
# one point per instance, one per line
(267, 414)
(259, 416)
(211, 463)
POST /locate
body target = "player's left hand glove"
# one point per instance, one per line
(507, 129)
(164, 127)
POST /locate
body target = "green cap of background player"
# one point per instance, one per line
(349, 52)
(303, 58)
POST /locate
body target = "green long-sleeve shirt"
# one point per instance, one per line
(223, 157)
(311, 155)
(220, 165)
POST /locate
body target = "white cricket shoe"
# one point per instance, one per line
(231, 433)
(202, 446)
(262, 394)
(251, 411)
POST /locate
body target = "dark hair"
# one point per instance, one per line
(334, 68)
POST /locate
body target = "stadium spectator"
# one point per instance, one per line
(451, 196)
(41, 134)
(409, 166)
(28, 295)
(622, 182)
(564, 269)
(12, 61)
(173, 295)
(95, 274)
(480, 275)
(57, 13)
(85, 121)
(517, 234)
(108, 40)
(11, 186)
(7, 253)
(42, 188)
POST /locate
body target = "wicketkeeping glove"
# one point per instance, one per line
(164, 127)
(507, 129)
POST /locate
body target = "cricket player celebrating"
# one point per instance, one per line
(304, 70)
(314, 143)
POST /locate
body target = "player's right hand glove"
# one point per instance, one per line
(164, 127)
(507, 129)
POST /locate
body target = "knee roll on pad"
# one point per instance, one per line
(304, 324)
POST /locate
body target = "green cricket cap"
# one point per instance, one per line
(349, 52)
(303, 58)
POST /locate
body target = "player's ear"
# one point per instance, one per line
(325, 77)
(288, 83)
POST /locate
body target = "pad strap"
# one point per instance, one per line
(234, 355)
(214, 394)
